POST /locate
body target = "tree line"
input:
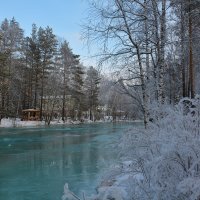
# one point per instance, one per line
(42, 72)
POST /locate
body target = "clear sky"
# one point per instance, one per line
(64, 16)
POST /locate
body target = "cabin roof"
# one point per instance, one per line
(31, 110)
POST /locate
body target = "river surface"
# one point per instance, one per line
(35, 163)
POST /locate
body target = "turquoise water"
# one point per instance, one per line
(35, 163)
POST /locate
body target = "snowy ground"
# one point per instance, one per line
(114, 185)
(164, 158)
(6, 123)
(11, 122)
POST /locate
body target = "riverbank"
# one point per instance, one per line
(11, 122)
(160, 162)
(115, 184)
(8, 123)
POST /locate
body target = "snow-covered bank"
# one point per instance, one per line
(163, 160)
(115, 184)
(6, 123)
(12, 122)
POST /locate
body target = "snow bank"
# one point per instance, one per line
(117, 182)
(11, 122)
(165, 156)
(29, 123)
(5, 123)
(160, 162)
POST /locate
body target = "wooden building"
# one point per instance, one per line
(31, 115)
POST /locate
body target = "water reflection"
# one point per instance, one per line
(36, 163)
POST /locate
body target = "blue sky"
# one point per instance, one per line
(64, 16)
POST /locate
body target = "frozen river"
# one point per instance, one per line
(35, 163)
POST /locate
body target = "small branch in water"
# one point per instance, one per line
(83, 196)
(68, 193)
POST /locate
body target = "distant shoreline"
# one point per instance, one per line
(17, 123)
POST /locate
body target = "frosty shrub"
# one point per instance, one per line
(166, 154)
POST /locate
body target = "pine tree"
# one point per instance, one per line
(92, 90)
(33, 67)
(47, 47)
(187, 12)
(12, 40)
(77, 88)
(4, 77)
(67, 60)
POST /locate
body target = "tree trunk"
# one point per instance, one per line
(157, 43)
(63, 104)
(41, 98)
(191, 65)
(146, 41)
(161, 93)
(184, 91)
(35, 95)
(63, 108)
(144, 92)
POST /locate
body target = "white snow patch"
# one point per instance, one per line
(6, 123)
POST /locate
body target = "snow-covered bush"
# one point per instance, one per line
(161, 162)
(167, 153)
